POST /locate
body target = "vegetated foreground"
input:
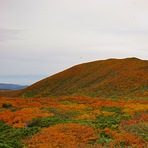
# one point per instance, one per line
(73, 122)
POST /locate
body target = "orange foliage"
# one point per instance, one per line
(132, 108)
(94, 102)
(21, 117)
(71, 134)
(62, 135)
(86, 117)
(142, 117)
(127, 138)
(71, 107)
(108, 103)
(22, 102)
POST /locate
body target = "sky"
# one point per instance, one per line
(39, 38)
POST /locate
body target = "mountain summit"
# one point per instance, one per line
(112, 77)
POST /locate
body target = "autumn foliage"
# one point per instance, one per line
(63, 135)
(76, 122)
(21, 117)
(127, 139)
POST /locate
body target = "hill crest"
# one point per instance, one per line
(111, 77)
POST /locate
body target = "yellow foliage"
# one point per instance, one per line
(105, 113)
(86, 117)
(96, 112)
(71, 107)
(135, 107)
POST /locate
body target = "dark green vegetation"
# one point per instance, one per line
(10, 137)
(46, 122)
(106, 78)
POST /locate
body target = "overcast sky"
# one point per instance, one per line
(39, 38)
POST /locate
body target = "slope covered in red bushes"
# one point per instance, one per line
(105, 78)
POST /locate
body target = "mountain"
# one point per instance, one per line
(11, 86)
(105, 78)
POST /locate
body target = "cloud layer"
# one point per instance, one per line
(43, 37)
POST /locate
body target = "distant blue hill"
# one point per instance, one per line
(12, 86)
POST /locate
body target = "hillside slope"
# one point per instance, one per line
(112, 77)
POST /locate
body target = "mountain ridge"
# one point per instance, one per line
(12, 86)
(111, 77)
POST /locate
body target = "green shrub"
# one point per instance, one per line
(11, 137)
(104, 138)
(85, 122)
(46, 122)
(112, 109)
(4, 105)
(111, 121)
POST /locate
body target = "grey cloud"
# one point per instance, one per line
(8, 34)
(47, 36)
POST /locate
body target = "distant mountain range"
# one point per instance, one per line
(4, 86)
(105, 78)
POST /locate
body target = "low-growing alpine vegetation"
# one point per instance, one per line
(70, 122)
